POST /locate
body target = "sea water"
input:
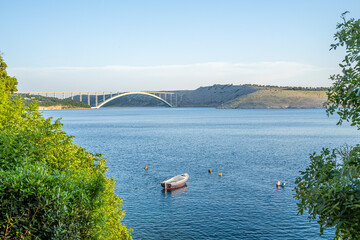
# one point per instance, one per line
(252, 149)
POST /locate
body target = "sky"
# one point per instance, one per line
(154, 45)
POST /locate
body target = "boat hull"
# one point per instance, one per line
(175, 182)
(173, 186)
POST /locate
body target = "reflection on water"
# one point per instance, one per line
(176, 191)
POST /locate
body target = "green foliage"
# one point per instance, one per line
(344, 95)
(51, 188)
(39, 203)
(329, 189)
(9, 84)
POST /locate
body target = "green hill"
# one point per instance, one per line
(44, 102)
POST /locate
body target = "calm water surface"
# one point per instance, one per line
(251, 148)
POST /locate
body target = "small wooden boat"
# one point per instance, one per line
(175, 182)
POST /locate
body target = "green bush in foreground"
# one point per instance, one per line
(50, 188)
(329, 189)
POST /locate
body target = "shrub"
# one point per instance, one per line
(50, 187)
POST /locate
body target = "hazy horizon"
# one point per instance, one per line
(162, 45)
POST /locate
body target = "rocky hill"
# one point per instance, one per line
(214, 96)
(278, 98)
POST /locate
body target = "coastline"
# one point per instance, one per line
(58, 107)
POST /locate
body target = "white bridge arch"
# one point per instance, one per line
(151, 94)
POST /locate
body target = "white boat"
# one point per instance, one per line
(175, 182)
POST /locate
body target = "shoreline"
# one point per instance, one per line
(46, 108)
(58, 107)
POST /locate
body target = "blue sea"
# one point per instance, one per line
(252, 148)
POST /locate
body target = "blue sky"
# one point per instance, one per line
(170, 45)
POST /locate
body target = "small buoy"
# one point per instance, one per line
(280, 183)
(220, 174)
(210, 171)
(146, 168)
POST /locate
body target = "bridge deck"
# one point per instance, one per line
(169, 98)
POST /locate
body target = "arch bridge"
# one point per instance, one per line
(97, 99)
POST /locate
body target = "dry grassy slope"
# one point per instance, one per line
(213, 96)
(277, 98)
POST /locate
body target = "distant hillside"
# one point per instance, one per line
(228, 96)
(279, 98)
(253, 96)
(51, 102)
(213, 96)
